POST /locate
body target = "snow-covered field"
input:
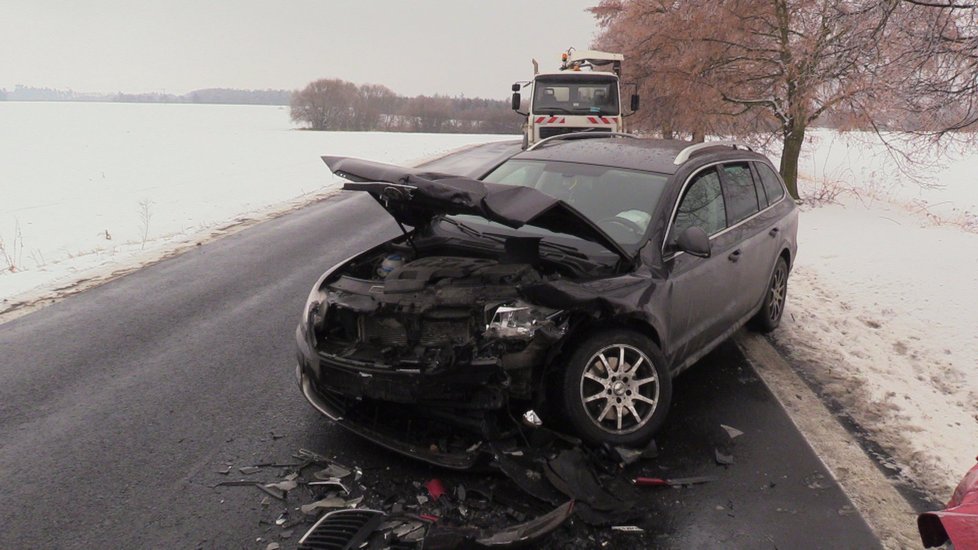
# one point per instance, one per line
(883, 302)
(883, 299)
(86, 188)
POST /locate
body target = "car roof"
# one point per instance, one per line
(646, 154)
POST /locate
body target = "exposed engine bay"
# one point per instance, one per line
(455, 321)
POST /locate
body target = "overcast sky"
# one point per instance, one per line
(471, 47)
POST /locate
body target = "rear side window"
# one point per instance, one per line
(701, 205)
(771, 183)
(739, 192)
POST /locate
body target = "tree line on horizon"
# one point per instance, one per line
(205, 95)
(328, 104)
(339, 105)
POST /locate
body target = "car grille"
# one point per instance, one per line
(550, 131)
(385, 331)
(341, 529)
(444, 333)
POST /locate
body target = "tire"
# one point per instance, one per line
(769, 316)
(591, 373)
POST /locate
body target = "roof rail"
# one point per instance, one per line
(684, 155)
(579, 135)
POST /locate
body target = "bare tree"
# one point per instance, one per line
(325, 104)
(429, 113)
(778, 66)
(372, 101)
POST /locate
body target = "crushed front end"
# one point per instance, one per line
(419, 354)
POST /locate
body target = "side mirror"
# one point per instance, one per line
(516, 100)
(634, 104)
(694, 241)
(516, 87)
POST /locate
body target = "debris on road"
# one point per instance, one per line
(435, 488)
(734, 433)
(333, 471)
(675, 482)
(724, 459)
(547, 479)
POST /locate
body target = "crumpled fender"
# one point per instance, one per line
(626, 297)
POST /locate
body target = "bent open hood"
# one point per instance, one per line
(413, 197)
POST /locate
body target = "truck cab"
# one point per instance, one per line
(573, 99)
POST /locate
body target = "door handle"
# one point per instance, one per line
(734, 256)
(773, 232)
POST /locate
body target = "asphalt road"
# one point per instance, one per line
(119, 405)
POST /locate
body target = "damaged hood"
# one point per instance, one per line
(414, 197)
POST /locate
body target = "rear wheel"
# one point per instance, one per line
(769, 317)
(616, 389)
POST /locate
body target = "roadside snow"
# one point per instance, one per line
(883, 302)
(80, 181)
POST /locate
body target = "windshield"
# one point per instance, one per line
(570, 95)
(618, 201)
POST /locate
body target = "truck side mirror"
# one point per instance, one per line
(516, 100)
(516, 87)
(634, 102)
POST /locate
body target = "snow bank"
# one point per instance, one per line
(78, 180)
(883, 304)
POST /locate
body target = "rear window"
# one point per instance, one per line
(739, 192)
(771, 183)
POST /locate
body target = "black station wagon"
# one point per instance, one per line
(569, 285)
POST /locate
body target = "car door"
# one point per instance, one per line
(769, 223)
(697, 289)
(751, 257)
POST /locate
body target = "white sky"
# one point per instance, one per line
(473, 47)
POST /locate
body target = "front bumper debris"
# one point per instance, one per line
(344, 413)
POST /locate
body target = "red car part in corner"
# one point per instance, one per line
(958, 521)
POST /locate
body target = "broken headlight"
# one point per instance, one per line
(313, 313)
(519, 320)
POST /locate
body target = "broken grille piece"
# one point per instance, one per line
(342, 530)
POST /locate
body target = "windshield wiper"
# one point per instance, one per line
(565, 248)
(551, 110)
(470, 231)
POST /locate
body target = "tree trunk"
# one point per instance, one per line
(667, 132)
(793, 140)
(698, 136)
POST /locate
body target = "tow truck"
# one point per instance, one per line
(574, 99)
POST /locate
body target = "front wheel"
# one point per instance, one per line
(769, 317)
(616, 389)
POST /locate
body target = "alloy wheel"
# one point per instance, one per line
(779, 287)
(619, 389)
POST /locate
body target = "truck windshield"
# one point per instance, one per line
(576, 93)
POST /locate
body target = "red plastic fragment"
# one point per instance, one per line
(435, 488)
(429, 517)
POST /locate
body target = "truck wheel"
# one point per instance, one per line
(769, 317)
(615, 388)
